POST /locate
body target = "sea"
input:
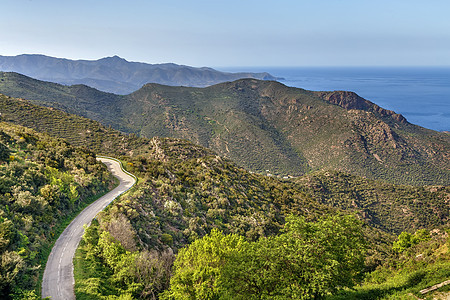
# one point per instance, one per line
(421, 94)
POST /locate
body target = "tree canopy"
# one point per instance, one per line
(199, 268)
(306, 261)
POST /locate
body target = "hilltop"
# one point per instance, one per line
(263, 126)
(115, 74)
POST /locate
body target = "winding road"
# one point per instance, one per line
(58, 281)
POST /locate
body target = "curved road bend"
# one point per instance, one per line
(58, 281)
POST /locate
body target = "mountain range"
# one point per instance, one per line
(115, 74)
(263, 126)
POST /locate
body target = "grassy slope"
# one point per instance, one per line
(186, 190)
(267, 126)
(77, 130)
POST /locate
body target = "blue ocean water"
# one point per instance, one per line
(421, 94)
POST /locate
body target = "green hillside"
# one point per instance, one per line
(185, 191)
(400, 207)
(76, 130)
(43, 182)
(264, 126)
(75, 99)
(393, 208)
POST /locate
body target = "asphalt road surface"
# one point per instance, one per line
(58, 281)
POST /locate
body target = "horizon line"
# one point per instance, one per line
(247, 66)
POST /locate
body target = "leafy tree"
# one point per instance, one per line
(406, 240)
(198, 268)
(117, 258)
(307, 261)
(420, 236)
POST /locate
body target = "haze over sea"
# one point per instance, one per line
(421, 94)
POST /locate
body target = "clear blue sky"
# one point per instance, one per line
(232, 32)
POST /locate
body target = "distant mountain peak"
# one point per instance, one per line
(113, 58)
(112, 61)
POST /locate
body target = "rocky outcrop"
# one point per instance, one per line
(351, 100)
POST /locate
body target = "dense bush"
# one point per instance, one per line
(308, 260)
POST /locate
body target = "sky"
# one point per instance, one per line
(233, 32)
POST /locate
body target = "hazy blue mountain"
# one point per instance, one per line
(115, 74)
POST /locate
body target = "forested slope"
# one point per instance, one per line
(392, 208)
(43, 180)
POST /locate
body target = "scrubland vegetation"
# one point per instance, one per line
(186, 194)
(263, 125)
(43, 181)
(188, 199)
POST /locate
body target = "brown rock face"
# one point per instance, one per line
(350, 100)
